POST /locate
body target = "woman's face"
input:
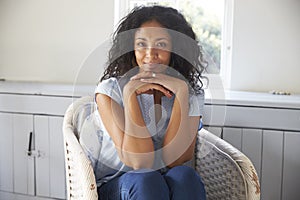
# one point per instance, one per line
(152, 47)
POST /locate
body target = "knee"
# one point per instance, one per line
(144, 177)
(145, 183)
(185, 183)
(183, 172)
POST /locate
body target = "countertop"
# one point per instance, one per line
(216, 97)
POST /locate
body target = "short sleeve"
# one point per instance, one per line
(111, 88)
(91, 138)
(196, 104)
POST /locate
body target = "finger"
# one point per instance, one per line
(148, 89)
(152, 80)
(144, 74)
(162, 89)
(144, 90)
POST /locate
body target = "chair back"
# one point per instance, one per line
(80, 178)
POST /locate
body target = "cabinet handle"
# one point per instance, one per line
(29, 152)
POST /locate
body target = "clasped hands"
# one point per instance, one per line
(146, 82)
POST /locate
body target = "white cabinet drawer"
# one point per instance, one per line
(34, 104)
(252, 117)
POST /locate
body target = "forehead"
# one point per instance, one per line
(152, 29)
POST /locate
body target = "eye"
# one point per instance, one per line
(161, 45)
(140, 44)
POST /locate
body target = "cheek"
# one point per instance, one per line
(165, 57)
(138, 57)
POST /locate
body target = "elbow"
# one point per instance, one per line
(138, 154)
(141, 165)
(178, 163)
(138, 160)
(172, 162)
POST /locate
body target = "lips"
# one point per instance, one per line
(154, 67)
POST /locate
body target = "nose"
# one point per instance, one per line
(151, 52)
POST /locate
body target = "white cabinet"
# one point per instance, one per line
(32, 119)
(39, 172)
(267, 130)
(275, 155)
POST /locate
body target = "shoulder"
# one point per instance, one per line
(111, 88)
(106, 85)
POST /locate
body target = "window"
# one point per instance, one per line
(211, 21)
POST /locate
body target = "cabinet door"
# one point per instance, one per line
(6, 152)
(23, 165)
(16, 168)
(248, 141)
(271, 173)
(291, 166)
(50, 168)
(233, 136)
(252, 147)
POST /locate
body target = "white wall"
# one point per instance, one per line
(266, 45)
(49, 41)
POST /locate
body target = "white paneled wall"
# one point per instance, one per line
(252, 146)
(291, 166)
(275, 155)
(271, 146)
(266, 128)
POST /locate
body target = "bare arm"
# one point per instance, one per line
(127, 127)
(180, 139)
(137, 145)
(133, 150)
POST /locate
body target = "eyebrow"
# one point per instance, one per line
(163, 38)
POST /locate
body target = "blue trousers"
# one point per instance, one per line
(179, 182)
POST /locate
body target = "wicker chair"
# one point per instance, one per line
(226, 172)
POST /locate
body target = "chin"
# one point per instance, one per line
(158, 68)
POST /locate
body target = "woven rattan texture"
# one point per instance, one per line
(220, 174)
(80, 176)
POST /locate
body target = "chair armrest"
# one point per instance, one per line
(227, 173)
(80, 178)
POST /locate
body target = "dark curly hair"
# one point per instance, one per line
(188, 62)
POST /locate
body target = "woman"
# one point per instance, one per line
(148, 116)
